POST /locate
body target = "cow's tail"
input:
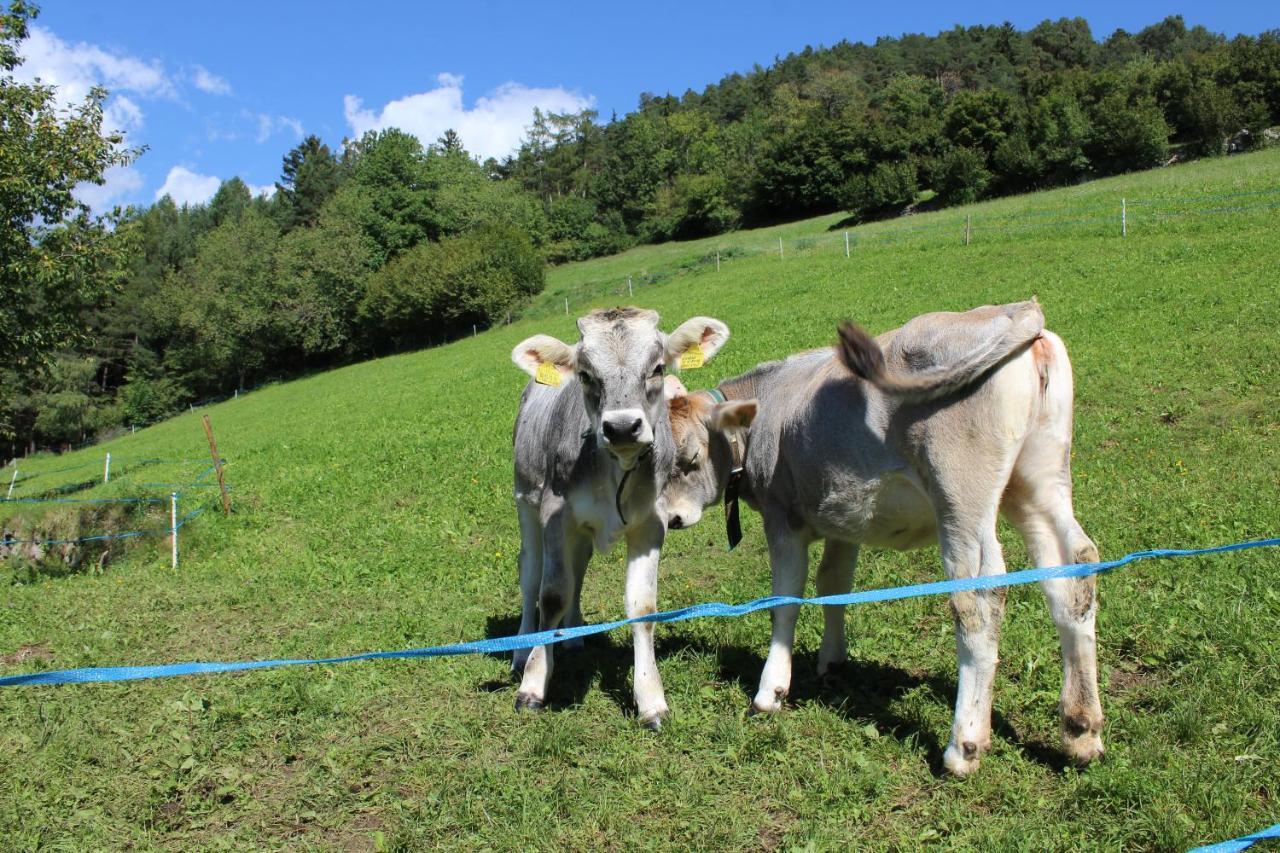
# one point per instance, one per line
(862, 355)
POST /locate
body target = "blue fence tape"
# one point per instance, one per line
(81, 500)
(712, 609)
(1244, 842)
(105, 537)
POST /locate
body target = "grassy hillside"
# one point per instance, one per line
(373, 510)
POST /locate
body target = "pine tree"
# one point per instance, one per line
(309, 176)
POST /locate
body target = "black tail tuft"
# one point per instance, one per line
(860, 352)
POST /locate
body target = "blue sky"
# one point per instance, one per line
(222, 89)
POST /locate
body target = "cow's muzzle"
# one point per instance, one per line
(626, 433)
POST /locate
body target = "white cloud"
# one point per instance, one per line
(118, 183)
(266, 190)
(75, 69)
(187, 187)
(269, 125)
(122, 114)
(206, 81)
(492, 127)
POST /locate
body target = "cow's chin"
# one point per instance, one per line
(627, 456)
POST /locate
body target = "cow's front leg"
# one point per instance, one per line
(789, 556)
(644, 545)
(555, 594)
(977, 624)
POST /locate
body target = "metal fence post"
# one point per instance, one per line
(173, 526)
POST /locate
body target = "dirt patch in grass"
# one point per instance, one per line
(26, 652)
(1131, 680)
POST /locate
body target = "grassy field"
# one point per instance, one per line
(373, 511)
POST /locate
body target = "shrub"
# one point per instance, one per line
(964, 176)
(437, 290)
(885, 188)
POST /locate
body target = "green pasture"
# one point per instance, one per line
(373, 510)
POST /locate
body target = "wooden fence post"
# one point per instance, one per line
(217, 466)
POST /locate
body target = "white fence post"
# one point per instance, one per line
(12, 480)
(1124, 219)
(566, 306)
(630, 292)
(780, 254)
(846, 244)
(106, 470)
(173, 525)
(966, 229)
(717, 260)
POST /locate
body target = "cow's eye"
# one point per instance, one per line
(659, 370)
(586, 378)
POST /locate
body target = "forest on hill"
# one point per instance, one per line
(385, 244)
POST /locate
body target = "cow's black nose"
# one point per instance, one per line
(675, 522)
(623, 432)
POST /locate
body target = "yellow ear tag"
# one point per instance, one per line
(547, 374)
(692, 358)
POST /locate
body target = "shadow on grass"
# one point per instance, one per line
(859, 690)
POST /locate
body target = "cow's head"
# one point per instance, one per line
(703, 431)
(619, 364)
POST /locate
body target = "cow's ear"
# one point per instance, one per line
(696, 342)
(543, 353)
(736, 414)
(672, 387)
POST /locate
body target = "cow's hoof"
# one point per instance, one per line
(1082, 737)
(834, 674)
(524, 702)
(1082, 749)
(653, 720)
(768, 703)
(963, 760)
(838, 666)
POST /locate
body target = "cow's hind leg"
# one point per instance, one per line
(1038, 502)
(579, 561)
(835, 577)
(555, 595)
(789, 556)
(969, 548)
(1042, 512)
(530, 563)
